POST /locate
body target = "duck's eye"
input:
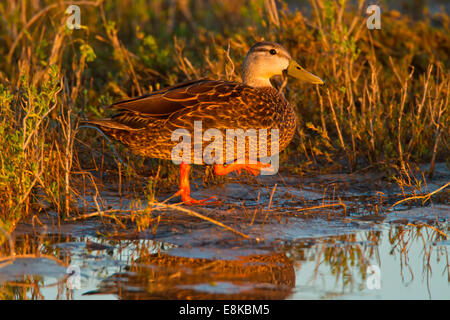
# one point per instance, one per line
(273, 51)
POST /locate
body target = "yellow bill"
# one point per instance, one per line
(296, 71)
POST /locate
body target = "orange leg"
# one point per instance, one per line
(185, 189)
(254, 169)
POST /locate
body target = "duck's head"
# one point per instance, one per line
(268, 59)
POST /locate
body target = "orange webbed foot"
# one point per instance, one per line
(187, 199)
(254, 169)
(185, 189)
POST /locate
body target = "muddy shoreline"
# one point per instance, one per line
(291, 253)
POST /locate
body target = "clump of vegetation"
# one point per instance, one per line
(385, 103)
(25, 152)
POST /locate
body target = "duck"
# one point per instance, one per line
(147, 124)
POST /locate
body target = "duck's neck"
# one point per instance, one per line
(251, 76)
(256, 82)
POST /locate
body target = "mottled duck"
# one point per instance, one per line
(145, 124)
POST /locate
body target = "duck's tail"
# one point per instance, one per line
(109, 123)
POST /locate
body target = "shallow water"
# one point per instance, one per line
(364, 252)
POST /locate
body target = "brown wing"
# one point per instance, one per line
(165, 102)
(136, 113)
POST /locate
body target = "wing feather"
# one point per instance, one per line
(160, 104)
(138, 112)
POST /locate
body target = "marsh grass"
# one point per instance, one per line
(385, 104)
